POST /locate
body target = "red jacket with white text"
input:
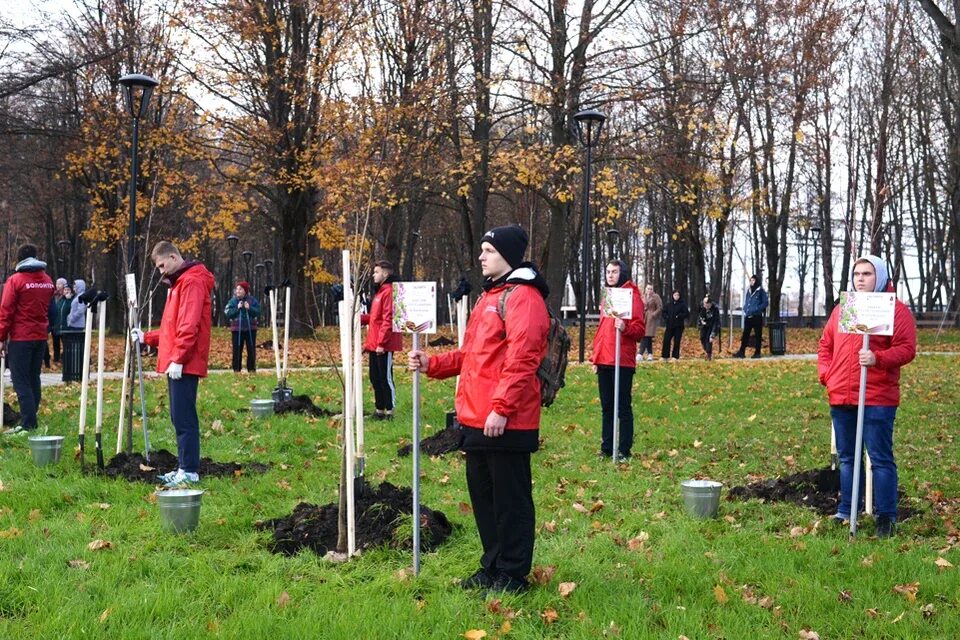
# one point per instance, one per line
(184, 334)
(499, 358)
(604, 342)
(26, 302)
(838, 360)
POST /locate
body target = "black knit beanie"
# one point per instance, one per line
(509, 241)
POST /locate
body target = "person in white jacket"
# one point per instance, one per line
(77, 318)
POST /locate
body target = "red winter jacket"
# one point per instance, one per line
(184, 334)
(380, 320)
(604, 342)
(499, 359)
(26, 303)
(838, 360)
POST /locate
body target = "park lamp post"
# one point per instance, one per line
(247, 259)
(613, 243)
(815, 230)
(258, 272)
(268, 264)
(137, 90)
(64, 259)
(232, 242)
(589, 123)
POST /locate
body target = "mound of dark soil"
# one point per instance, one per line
(11, 418)
(438, 444)
(379, 522)
(818, 489)
(304, 405)
(135, 468)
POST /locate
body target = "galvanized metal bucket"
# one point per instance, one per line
(180, 509)
(45, 449)
(261, 408)
(701, 497)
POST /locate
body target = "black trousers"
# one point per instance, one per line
(248, 338)
(646, 345)
(381, 377)
(752, 324)
(56, 347)
(501, 492)
(671, 334)
(605, 380)
(706, 342)
(24, 358)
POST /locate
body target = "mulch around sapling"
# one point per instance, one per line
(135, 468)
(380, 522)
(818, 489)
(303, 405)
(442, 442)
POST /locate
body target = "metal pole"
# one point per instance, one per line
(858, 446)
(616, 401)
(135, 168)
(583, 254)
(416, 462)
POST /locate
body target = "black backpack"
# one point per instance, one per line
(553, 368)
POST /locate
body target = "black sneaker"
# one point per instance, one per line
(738, 354)
(479, 580)
(886, 527)
(508, 584)
(756, 355)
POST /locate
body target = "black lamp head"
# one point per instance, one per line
(137, 89)
(589, 122)
(233, 241)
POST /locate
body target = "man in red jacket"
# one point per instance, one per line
(183, 347)
(839, 359)
(498, 405)
(24, 320)
(603, 359)
(382, 341)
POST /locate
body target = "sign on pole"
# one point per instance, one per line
(616, 302)
(864, 313)
(415, 311)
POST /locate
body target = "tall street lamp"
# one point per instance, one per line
(247, 259)
(232, 242)
(815, 230)
(64, 259)
(268, 263)
(589, 122)
(613, 243)
(137, 89)
(258, 271)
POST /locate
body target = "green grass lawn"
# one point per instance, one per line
(641, 567)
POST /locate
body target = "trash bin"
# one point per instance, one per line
(72, 356)
(778, 338)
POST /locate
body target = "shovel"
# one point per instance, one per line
(135, 324)
(87, 297)
(101, 338)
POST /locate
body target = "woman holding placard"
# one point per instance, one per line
(605, 361)
(840, 358)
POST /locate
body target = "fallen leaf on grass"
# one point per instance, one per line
(475, 634)
(720, 594)
(12, 532)
(78, 564)
(103, 506)
(217, 426)
(550, 526)
(464, 508)
(543, 575)
(549, 616)
(845, 596)
(2, 488)
(504, 628)
(873, 613)
(596, 506)
(752, 418)
(908, 591)
(898, 618)
(566, 588)
(105, 615)
(99, 545)
(144, 467)
(867, 560)
(34, 515)
(283, 600)
(807, 634)
(579, 508)
(928, 610)
(796, 532)
(942, 563)
(766, 602)
(637, 541)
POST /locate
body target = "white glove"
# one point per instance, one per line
(136, 335)
(175, 371)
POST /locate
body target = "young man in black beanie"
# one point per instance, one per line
(498, 405)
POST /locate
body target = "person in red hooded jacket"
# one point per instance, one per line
(183, 348)
(498, 405)
(382, 341)
(23, 322)
(839, 359)
(604, 361)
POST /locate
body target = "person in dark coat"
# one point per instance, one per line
(243, 310)
(58, 312)
(754, 307)
(675, 314)
(708, 320)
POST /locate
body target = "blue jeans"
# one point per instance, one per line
(878, 442)
(183, 414)
(24, 358)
